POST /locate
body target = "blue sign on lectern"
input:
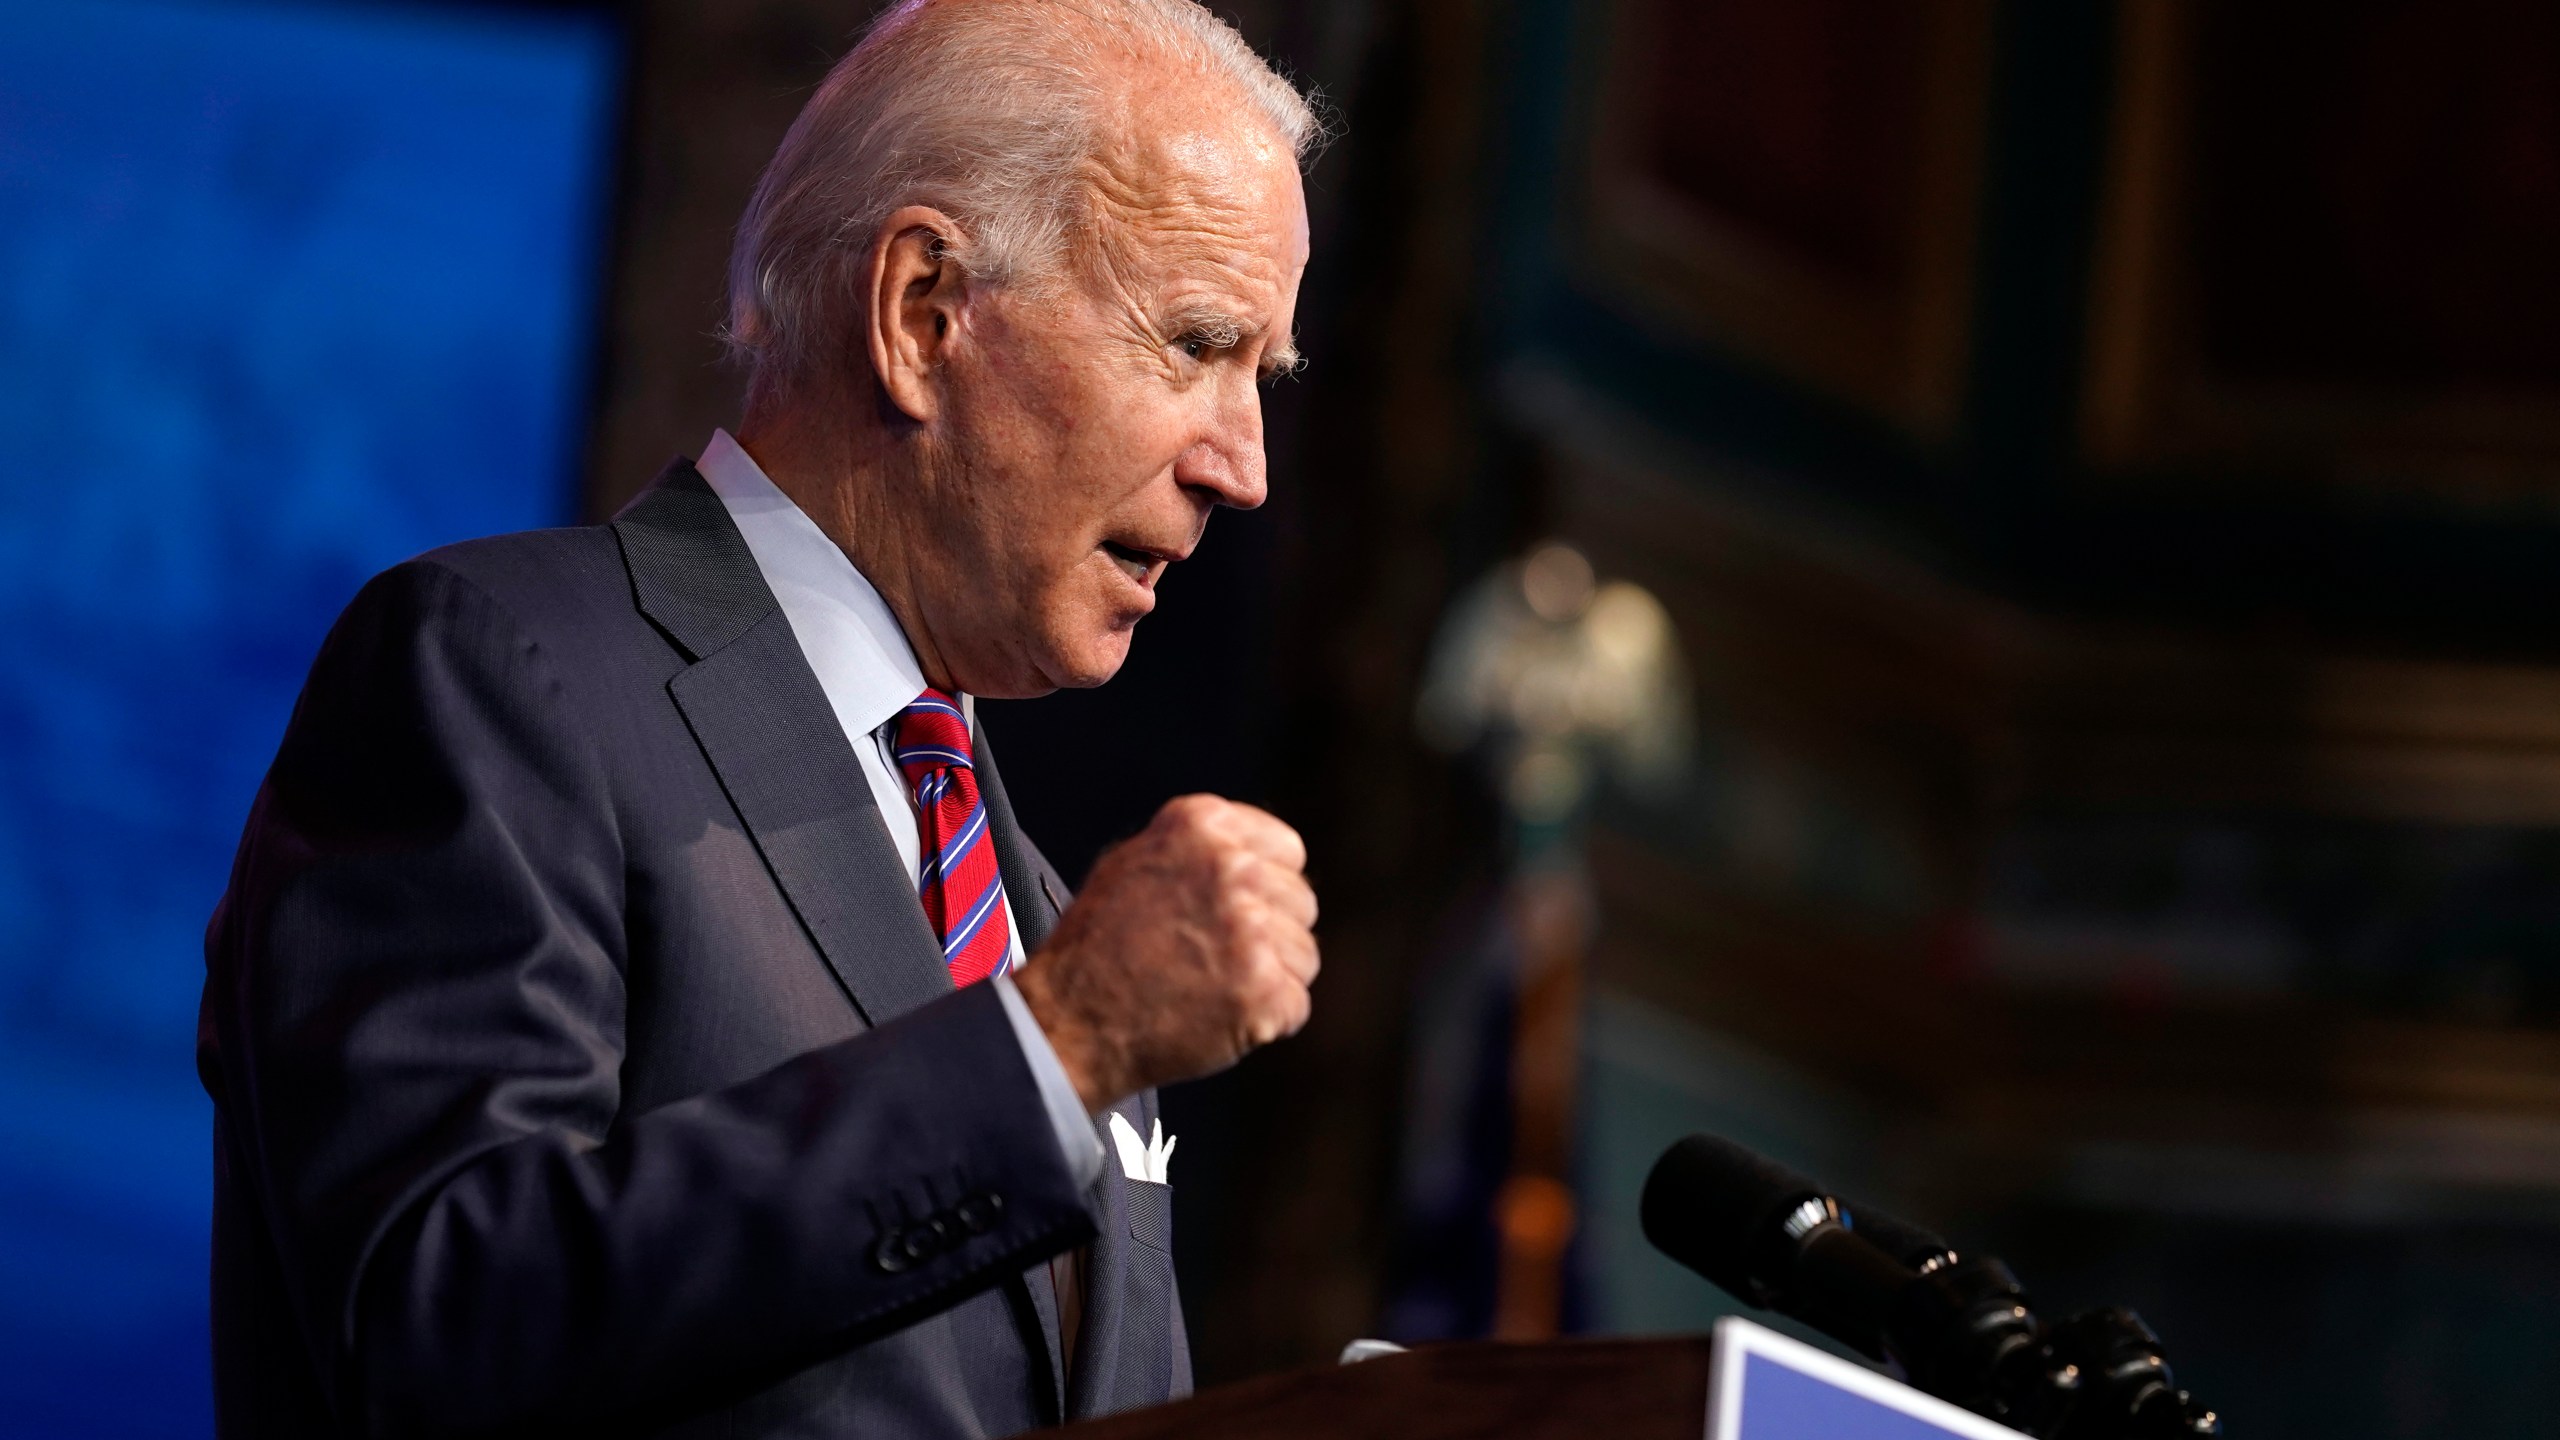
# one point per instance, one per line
(1765, 1386)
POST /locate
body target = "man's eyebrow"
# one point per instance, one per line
(1222, 329)
(1281, 359)
(1212, 323)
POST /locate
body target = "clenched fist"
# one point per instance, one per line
(1191, 943)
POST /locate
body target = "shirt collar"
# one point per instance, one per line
(862, 659)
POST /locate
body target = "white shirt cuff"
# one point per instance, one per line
(1077, 1140)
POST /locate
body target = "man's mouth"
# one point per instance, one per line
(1139, 565)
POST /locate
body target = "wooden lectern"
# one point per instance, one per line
(1583, 1389)
(1747, 1383)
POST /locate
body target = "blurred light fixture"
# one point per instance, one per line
(1561, 681)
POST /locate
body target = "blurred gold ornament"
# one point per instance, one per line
(1563, 679)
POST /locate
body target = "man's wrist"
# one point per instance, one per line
(1078, 1145)
(1078, 1048)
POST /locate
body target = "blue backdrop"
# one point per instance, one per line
(287, 292)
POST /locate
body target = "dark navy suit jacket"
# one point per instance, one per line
(582, 1061)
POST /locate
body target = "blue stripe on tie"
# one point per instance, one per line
(936, 868)
(935, 707)
(929, 789)
(968, 930)
(971, 832)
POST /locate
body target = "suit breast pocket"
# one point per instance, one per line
(1151, 1215)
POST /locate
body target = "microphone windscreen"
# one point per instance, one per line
(1901, 1239)
(1709, 1203)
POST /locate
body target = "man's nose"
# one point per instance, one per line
(1227, 463)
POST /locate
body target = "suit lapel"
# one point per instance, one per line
(1034, 900)
(1028, 888)
(764, 724)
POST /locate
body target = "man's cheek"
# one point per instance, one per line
(1074, 598)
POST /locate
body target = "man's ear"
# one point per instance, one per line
(916, 292)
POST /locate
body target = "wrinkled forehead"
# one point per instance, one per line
(1194, 180)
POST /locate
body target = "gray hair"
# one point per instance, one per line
(987, 110)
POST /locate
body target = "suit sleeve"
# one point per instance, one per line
(414, 1033)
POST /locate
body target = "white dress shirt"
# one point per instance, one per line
(869, 673)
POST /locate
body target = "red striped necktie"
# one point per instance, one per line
(962, 890)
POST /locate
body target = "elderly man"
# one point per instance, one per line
(594, 1020)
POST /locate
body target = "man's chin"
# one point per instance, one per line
(1084, 661)
(1097, 666)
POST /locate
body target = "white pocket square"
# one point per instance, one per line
(1141, 1159)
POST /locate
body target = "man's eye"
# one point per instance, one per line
(1204, 342)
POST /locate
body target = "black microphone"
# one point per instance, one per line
(1957, 1327)
(1772, 1238)
(1924, 1251)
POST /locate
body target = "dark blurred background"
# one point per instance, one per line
(2102, 462)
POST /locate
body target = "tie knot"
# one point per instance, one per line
(932, 734)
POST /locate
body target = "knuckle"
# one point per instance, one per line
(1232, 877)
(1236, 924)
(1283, 996)
(1236, 866)
(1255, 958)
(1194, 811)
